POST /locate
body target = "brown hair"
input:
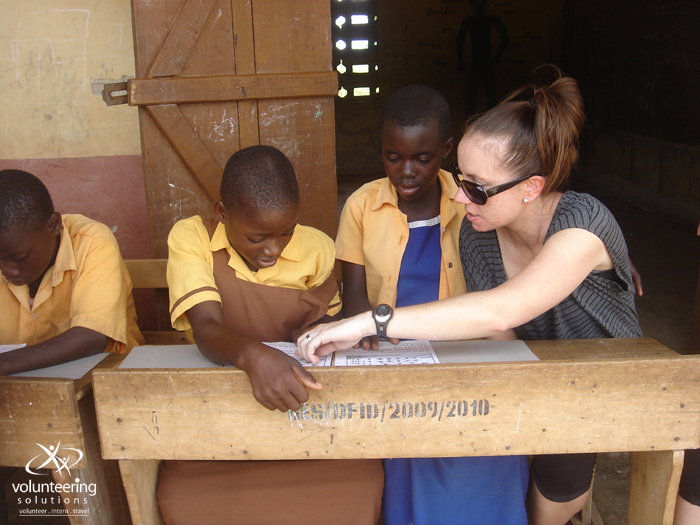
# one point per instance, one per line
(541, 132)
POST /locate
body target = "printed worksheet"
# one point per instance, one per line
(404, 353)
(290, 348)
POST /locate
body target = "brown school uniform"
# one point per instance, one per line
(269, 492)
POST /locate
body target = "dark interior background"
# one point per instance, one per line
(637, 64)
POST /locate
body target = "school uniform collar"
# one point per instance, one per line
(386, 194)
(65, 262)
(447, 203)
(65, 258)
(219, 241)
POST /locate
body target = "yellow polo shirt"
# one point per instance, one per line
(87, 286)
(373, 232)
(307, 261)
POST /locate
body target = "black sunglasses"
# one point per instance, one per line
(477, 194)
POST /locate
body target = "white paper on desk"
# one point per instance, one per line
(483, 351)
(189, 356)
(8, 348)
(291, 348)
(166, 356)
(404, 353)
(70, 370)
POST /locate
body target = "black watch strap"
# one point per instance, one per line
(381, 315)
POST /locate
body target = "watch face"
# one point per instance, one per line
(382, 310)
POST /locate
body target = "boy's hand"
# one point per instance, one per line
(372, 343)
(278, 381)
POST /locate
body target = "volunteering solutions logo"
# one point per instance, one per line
(52, 498)
(59, 462)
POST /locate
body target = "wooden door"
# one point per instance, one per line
(215, 76)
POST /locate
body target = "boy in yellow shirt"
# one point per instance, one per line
(64, 290)
(254, 276)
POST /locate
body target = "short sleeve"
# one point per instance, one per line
(190, 275)
(99, 288)
(349, 241)
(325, 262)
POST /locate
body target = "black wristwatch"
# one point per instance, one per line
(381, 315)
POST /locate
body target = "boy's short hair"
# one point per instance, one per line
(24, 200)
(259, 178)
(415, 105)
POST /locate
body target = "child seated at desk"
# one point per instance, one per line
(256, 276)
(64, 290)
(398, 242)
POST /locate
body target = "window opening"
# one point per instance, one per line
(354, 33)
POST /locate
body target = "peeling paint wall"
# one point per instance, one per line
(52, 125)
(50, 53)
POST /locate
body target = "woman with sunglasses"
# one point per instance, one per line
(539, 262)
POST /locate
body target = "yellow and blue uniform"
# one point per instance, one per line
(373, 233)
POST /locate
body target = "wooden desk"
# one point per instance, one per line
(49, 411)
(583, 396)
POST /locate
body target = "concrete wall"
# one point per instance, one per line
(88, 154)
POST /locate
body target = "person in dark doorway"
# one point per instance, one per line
(481, 65)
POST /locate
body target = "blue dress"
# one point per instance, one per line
(447, 491)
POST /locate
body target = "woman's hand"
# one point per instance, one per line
(325, 339)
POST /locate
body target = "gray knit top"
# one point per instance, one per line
(602, 306)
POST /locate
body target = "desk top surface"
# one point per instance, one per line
(582, 396)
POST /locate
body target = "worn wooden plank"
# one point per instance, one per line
(147, 273)
(654, 477)
(292, 36)
(185, 141)
(456, 410)
(244, 50)
(188, 90)
(239, 37)
(37, 412)
(102, 501)
(141, 482)
(600, 348)
(165, 337)
(181, 38)
(303, 129)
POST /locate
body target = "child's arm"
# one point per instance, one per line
(355, 299)
(72, 344)
(277, 380)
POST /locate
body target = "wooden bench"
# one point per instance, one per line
(61, 412)
(150, 273)
(607, 395)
